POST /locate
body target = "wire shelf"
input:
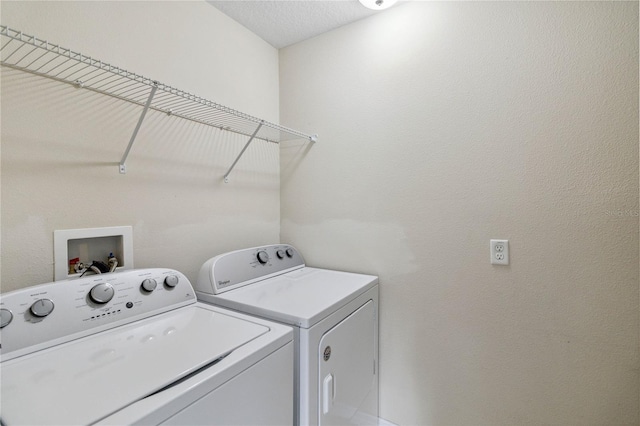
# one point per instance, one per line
(30, 54)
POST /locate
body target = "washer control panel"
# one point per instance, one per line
(242, 267)
(35, 318)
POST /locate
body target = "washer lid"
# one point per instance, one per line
(88, 379)
(301, 297)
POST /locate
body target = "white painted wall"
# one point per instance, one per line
(442, 125)
(61, 145)
(445, 124)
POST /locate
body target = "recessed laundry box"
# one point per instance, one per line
(335, 319)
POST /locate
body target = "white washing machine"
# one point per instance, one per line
(335, 320)
(135, 347)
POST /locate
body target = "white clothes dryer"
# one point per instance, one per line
(335, 320)
(135, 347)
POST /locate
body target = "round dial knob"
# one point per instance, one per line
(102, 293)
(280, 254)
(149, 285)
(5, 317)
(289, 252)
(171, 280)
(42, 307)
(263, 257)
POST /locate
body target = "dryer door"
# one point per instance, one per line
(346, 367)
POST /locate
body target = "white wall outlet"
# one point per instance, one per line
(499, 252)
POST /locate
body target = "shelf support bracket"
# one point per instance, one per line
(226, 176)
(123, 167)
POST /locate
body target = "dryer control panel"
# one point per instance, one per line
(242, 267)
(38, 317)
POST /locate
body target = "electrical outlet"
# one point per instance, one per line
(499, 252)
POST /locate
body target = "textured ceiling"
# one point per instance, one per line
(285, 22)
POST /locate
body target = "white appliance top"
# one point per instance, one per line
(98, 363)
(83, 381)
(277, 290)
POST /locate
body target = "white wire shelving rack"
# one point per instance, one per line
(33, 55)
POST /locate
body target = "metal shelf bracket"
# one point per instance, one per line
(226, 176)
(123, 167)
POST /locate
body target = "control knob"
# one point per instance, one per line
(102, 293)
(280, 254)
(41, 308)
(149, 285)
(263, 257)
(5, 317)
(171, 281)
(289, 252)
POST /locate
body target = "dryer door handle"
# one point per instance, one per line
(328, 393)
